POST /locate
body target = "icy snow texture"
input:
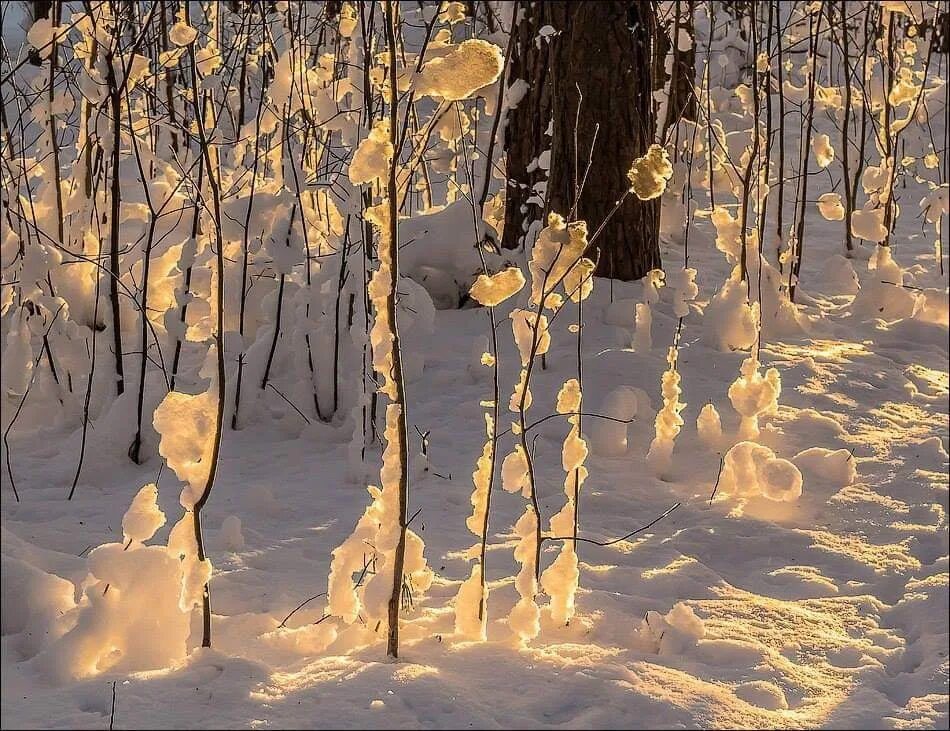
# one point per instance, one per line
(373, 157)
(649, 174)
(668, 421)
(868, 224)
(493, 289)
(525, 617)
(673, 633)
(195, 573)
(729, 319)
(835, 467)
(182, 34)
(752, 470)
(132, 616)
(186, 425)
(683, 283)
(231, 537)
(643, 335)
(709, 427)
(531, 332)
(462, 71)
(481, 478)
(560, 579)
(467, 622)
(143, 517)
(728, 230)
(378, 527)
(882, 294)
(569, 397)
(33, 603)
(609, 438)
(830, 207)
(514, 472)
(753, 394)
(824, 152)
(559, 249)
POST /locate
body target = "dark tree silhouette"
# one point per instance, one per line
(591, 80)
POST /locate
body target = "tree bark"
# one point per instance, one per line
(594, 79)
(527, 123)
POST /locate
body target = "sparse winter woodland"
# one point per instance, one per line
(474, 364)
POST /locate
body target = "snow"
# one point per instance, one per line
(750, 470)
(182, 34)
(709, 427)
(230, 537)
(753, 394)
(868, 224)
(372, 158)
(186, 426)
(493, 289)
(649, 174)
(824, 152)
(465, 69)
(514, 471)
(830, 206)
(804, 586)
(468, 625)
(143, 517)
(673, 633)
(643, 334)
(668, 421)
(729, 320)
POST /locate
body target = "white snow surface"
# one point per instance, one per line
(830, 610)
(827, 611)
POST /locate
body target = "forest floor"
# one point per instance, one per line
(827, 612)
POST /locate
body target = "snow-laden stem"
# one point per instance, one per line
(115, 199)
(186, 285)
(780, 193)
(392, 192)
(246, 237)
(846, 121)
(205, 151)
(484, 475)
(752, 164)
(798, 242)
(136, 446)
(496, 121)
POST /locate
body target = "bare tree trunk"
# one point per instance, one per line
(527, 122)
(600, 87)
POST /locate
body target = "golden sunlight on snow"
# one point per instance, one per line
(474, 364)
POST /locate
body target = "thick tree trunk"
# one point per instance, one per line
(527, 124)
(594, 78)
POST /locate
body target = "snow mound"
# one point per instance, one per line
(763, 694)
(608, 438)
(33, 604)
(833, 466)
(752, 470)
(673, 633)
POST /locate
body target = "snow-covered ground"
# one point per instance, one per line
(798, 580)
(830, 611)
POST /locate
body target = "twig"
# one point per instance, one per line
(616, 540)
(112, 713)
(300, 606)
(722, 462)
(289, 402)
